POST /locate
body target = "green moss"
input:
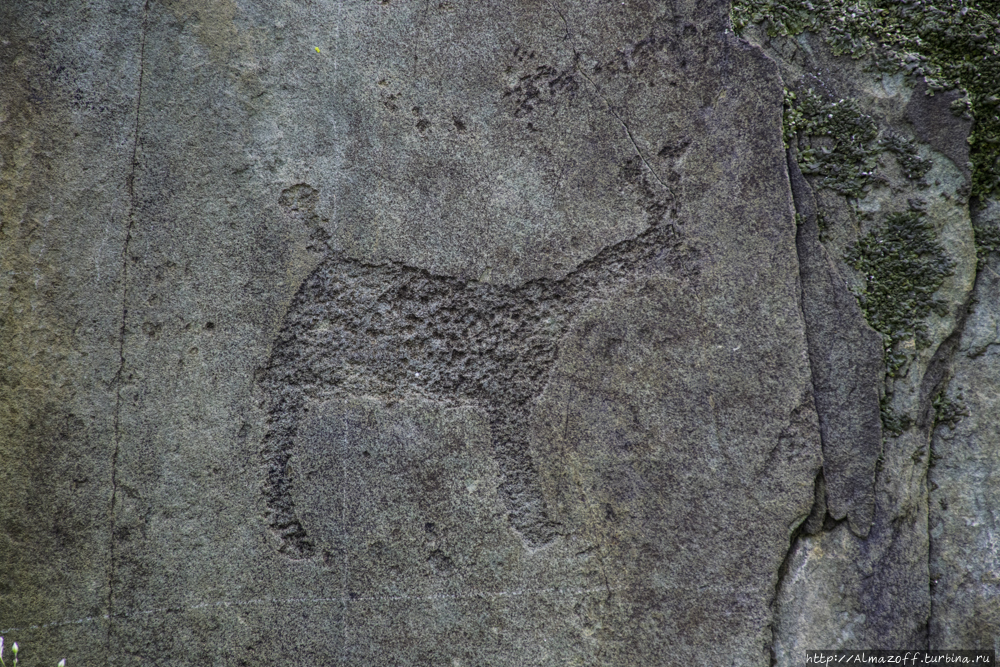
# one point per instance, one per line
(949, 412)
(837, 141)
(987, 241)
(903, 266)
(950, 43)
(823, 223)
(914, 167)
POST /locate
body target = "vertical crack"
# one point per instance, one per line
(121, 332)
(936, 380)
(797, 534)
(812, 523)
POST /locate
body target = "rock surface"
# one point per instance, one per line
(846, 358)
(470, 334)
(965, 552)
(862, 584)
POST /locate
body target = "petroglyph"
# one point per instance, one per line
(393, 331)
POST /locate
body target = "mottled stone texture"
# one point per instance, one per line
(846, 358)
(407, 333)
(865, 571)
(965, 536)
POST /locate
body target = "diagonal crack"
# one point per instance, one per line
(628, 130)
(121, 333)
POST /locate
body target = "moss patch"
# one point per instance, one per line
(914, 167)
(949, 412)
(987, 241)
(837, 141)
(950, 43)
(903, 266)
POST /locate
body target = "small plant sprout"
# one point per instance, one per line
(14, 650)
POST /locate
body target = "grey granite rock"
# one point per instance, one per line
(471, 334)
(935, 123)
(848, 585)
(67, 118)
(394, 333)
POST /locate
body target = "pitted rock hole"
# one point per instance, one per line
(392, 332)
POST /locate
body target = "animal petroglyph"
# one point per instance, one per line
(393, 331)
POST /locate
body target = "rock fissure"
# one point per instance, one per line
(793, 543)
(935, 384)
(628, 132)
(122, 329)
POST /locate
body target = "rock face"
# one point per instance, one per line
(845, 355)
(963, 494)
(470, 334)
(884, 214)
